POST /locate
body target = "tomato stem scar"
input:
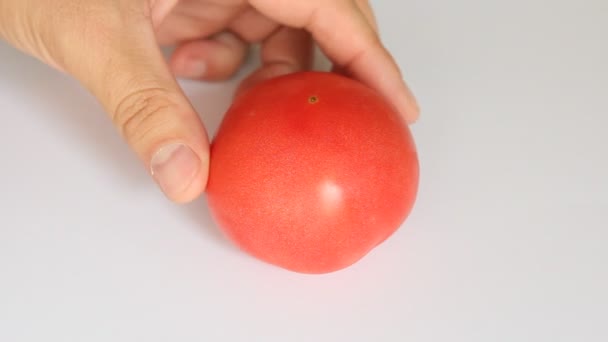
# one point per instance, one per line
(313, 99)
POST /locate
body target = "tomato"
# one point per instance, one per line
(311, 171)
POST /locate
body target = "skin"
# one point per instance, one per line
(113, 48)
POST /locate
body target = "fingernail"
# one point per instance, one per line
(194, 69)
(174, 166)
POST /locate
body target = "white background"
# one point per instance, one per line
(507, 241)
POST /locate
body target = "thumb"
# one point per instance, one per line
(117, 58)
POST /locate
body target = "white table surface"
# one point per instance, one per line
(507, 242)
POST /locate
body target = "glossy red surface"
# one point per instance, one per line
(311, 171)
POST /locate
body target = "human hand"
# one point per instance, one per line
(112, 48)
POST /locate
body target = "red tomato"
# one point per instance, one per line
(311, 171)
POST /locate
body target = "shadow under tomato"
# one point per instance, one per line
(199, 214)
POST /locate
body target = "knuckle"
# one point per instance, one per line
(142, 113)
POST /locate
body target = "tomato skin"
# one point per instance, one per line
(311, 171)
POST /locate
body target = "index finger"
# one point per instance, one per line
(345, 35)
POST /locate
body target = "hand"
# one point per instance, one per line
(112, 48)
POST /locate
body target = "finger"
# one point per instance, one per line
(118, 60)
(366, 8)
(286, 51)
(194, 19)
(345, 36)
(213, 59)
(252, 26)
(368, 13)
